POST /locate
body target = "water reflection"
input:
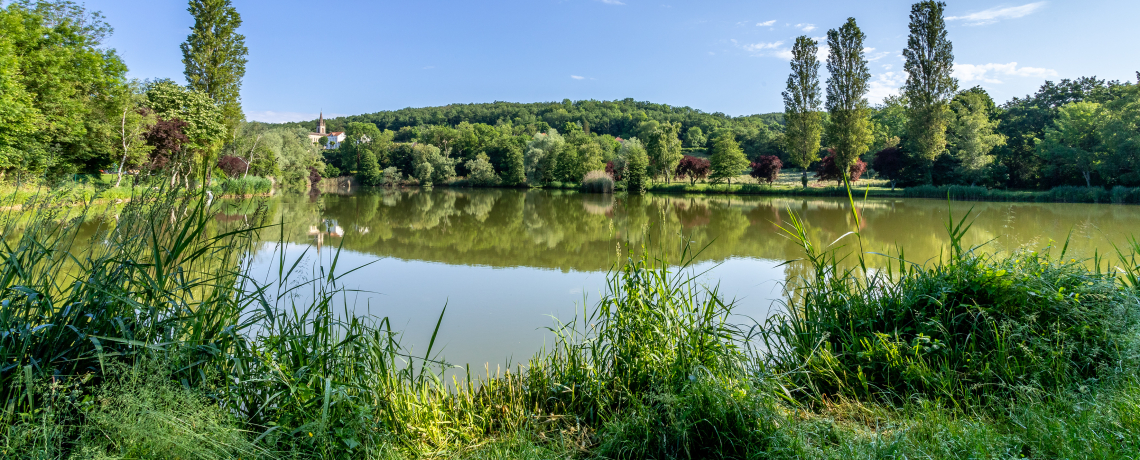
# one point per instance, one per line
(570, 231)
(504, 261)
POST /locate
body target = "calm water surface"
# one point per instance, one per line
(507, 262)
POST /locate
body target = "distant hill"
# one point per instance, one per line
(616, 118)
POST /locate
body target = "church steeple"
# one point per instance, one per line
(321, 123)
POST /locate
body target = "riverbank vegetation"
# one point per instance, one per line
(167, 344)
(88, 118)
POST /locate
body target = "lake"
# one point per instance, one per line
(508, 262)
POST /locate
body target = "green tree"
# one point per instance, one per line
(971, 135)
(802, 105)
(695, 138)
(514, 168)
(57, 89)
(637, 165)
(889, 122)
(1073, 143)
(663, 145)
(541, 157)
(727, 159)
(849, 126)
(204, 130)
(135, 119)
(929, 85)
(1121, 136)
(215, 56)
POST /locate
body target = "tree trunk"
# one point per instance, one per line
(1088, 178)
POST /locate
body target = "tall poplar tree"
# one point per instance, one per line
(849, 130)
(929, 86)
(802, 105)
(215, 56)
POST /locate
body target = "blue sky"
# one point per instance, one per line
(355, 56)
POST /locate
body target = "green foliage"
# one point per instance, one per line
(971, 135)
(204, 131)
(695, 138)
(636, 166)
(929, 85)
(848, 130)
(481, 173)
(802, 104)
(1073, 142)
(57, 89)
(391, 177)
(662, 145)
(243, 186)
(727, 160)
(215, 56)
(542, 155)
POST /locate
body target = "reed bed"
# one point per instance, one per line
(157, 340)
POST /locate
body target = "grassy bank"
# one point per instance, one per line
(159, 342)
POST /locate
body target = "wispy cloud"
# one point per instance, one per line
(875, 56)
(611, 2)
(806, 27)
(887, 84)
(270, 116)
(989, 72)
(577, 77)
(996, 14)
(766, 23)
(760, 48)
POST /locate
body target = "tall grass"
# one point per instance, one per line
(597, 182)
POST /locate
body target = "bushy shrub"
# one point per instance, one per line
(424, 173)
(597, 182)
(331, 171)
(232, 166)
(248, 185)
(390, 177)
(766, 168)
(481, 173)
(829, 170)
(637, 164)
(1126, 195)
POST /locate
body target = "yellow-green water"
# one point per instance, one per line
(505, 261)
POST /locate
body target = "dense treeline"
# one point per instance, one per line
(1075, 132)
(67, 107)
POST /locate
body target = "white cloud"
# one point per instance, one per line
(611, 2)
(766, 23)
(806, 27)
(577, 77)
(989, 72)
(996, 14)
(887, 84)
(269, 116)
(822, 53)
(873, 56)
(757, 48)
